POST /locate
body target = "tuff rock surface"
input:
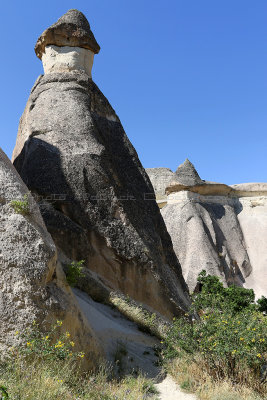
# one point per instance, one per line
(72, 29)
(66, 59)
(160, 179)
(95, 197)
(32, 283)
(187, 174)
(217, 227)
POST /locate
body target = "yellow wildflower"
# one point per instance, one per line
(72, 344)
(259, 355)
(241, 338)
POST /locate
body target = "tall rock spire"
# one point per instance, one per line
(187, 174)
(73, 152)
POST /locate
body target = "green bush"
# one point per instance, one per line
(21, 206)
(74, 272)
(3, 393)
(226, 327)
(262, 304)
(47, 346)
(214, 296)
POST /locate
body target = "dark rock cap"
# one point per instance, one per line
(72, 29)
(187, 174)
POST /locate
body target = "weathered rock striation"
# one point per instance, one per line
(217, 227)
(32, 283)
(94, 195)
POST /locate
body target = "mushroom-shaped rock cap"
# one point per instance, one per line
(187, 174)
(72, 29)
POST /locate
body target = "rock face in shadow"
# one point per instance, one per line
(95, 197)
(218, 228)
(32, 283)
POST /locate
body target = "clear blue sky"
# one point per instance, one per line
(187, 78)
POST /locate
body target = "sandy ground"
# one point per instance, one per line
(121, 338)
(169, 390)
(135, 349)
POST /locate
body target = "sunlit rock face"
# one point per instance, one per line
(215, 227)
(66, 59)
(32, 283)
(72, 29)
(95, 197)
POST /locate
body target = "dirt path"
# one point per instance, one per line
(169, 390)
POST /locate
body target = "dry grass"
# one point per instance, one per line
(191, 376)
(32, 381)
(146, 320)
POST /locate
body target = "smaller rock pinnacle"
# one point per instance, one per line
(187, 174)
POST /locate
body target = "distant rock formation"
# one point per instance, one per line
(32, 283)
(187, 174)
(94, 195)
(216, 227)
(160, 179)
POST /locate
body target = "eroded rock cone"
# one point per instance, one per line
(95, 197)
(32, 283)
(187, 174)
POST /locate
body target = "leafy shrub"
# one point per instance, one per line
(74, 272)
(262, 304)
(21, 206)
(3, 393)
(49, 345)
(226, 328)
(214, 296)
